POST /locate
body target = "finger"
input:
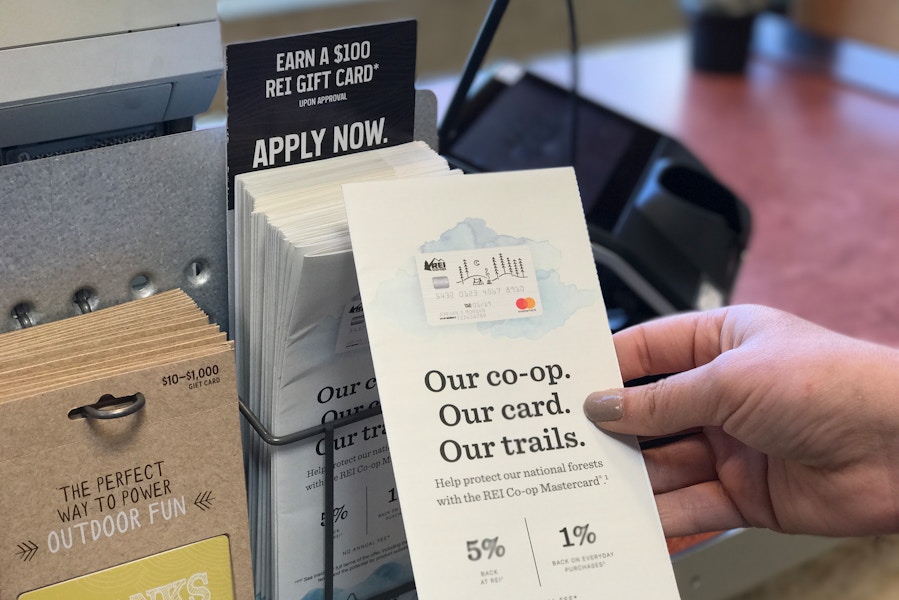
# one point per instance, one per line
(699, 508)
(671, 405)
(670, 344)
(681, 464)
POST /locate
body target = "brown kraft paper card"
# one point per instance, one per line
(80, 495)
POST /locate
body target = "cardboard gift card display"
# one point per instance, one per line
(120, 457)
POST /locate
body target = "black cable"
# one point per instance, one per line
(575, 81)
(446, 133)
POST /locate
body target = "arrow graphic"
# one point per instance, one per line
(27, 550)
(204, 500)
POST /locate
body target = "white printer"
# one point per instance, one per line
(78, 75)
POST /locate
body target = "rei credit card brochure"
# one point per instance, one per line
(487, 330)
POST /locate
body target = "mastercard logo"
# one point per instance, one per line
(525, 303)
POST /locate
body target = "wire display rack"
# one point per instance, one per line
(327, 431)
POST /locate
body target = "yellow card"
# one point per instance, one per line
(198, 570)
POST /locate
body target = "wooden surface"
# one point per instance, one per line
(815, 161)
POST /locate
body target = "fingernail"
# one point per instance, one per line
(603, 406)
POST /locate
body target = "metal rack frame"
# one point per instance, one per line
(326, 429)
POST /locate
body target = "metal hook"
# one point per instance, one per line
(82, 300)
(22, 313)
(125, 405)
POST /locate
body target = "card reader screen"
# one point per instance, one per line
(528, 125)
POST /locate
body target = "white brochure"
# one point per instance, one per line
(487, 330)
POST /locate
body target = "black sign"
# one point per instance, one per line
(314, 96)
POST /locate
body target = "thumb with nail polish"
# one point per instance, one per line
(601, 407)
(788, 422)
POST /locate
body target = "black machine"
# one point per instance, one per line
(667, 236)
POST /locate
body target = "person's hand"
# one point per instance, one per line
(797, 427)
